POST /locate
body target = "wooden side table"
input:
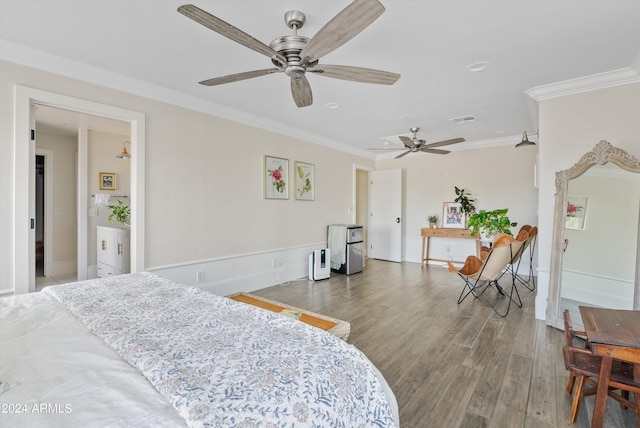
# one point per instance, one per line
(428, 233)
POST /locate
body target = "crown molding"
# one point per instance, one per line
(593, 82)
(22, 55)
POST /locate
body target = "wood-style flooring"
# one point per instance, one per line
(450, 365)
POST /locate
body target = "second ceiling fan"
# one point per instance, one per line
(296, 55)
(414, 145)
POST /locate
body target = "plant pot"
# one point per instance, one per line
(433, 226)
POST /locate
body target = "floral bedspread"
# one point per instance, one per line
(223, 363)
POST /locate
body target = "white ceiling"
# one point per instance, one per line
(146, 46)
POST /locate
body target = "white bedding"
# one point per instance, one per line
(48, 358)
(219, 362)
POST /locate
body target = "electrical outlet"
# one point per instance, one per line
(200, 276)
(280, 263)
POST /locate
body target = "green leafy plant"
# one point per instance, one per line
(490, 223)
(121, 212)
(433, 218)
(466, 203)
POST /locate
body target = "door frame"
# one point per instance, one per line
(49, 162)
(24, 164)
(354, 203)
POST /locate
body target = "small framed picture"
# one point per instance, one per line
(452, 215)
(576, 212)
(276, 178)
(305, 181)
(107, 181)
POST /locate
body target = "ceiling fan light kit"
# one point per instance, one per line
(296, 55)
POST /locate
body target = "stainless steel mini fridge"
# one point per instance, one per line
(349, 248)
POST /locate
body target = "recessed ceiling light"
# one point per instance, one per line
(477, 66)
(332, 106)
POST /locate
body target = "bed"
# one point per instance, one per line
(140, 350)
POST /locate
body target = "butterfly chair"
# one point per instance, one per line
(518, 247)
(479, 275)
(585, 367)
(530, 243)
(523, 235)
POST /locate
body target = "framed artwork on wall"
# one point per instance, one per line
(305, 181)
(452, 215)
(107, 181)
(576, 212)
(276, 178)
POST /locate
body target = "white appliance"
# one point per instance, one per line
(319, 267)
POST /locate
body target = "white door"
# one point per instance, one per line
(385, 215)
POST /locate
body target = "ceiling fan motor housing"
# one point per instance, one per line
(290, 47)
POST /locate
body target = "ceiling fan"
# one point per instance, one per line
(415, 145)
(296, 55)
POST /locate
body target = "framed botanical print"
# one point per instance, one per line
(107, 181)
(276, 178)
(305, 181)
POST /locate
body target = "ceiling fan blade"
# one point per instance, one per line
(301, 91)
(238, 76)
(342, 28)
(403, 154)
(408, 142)
(434, 151)
(229, 31)
(356, 74)
(445, 142)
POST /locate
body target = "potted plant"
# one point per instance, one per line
(466, 204)
(121, 212)
(433, 220)
(490, 223)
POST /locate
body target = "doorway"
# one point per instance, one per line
(40, 214)
(26, 100)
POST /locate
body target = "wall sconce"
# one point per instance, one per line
(525, 141)
(125, 154)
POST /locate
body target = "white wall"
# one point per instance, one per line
(496, 177)
(204, 186)
(570, 126)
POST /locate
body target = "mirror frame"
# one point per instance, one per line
(602, 153)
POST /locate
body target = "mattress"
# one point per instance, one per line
(140, 350)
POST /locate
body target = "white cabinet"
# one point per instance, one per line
(113, 251)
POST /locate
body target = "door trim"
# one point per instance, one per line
(25, 97)
(49, 163)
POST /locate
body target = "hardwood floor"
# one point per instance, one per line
(450, 365)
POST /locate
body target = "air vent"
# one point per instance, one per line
(462, 119)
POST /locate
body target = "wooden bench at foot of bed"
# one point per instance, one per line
(334, 326)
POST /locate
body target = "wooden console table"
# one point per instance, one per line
(428, 233)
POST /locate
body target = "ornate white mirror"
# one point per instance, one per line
(595, 255)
